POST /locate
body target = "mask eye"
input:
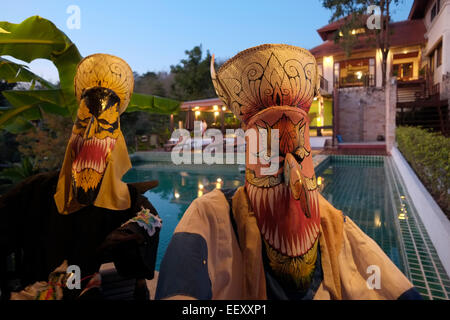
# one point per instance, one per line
(104, 124)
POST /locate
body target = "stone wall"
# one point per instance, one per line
(362, 114)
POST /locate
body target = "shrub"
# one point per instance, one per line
(429, 155)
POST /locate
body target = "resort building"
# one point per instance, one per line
(353, 107)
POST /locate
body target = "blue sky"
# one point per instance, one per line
(152, 35)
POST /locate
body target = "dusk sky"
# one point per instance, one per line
(152, 35)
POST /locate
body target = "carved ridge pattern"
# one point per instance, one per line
(106, 71)
(267, 82)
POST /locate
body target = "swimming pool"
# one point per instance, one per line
(366, 188)
(178, 187)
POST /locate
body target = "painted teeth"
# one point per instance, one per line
(288, 247)
(271, 200)
(276, 243)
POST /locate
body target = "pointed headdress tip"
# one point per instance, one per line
(108, 71)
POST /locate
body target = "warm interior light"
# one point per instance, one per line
(319, 181)
(200, 186)
(215, 108)
(224, 108)
(200, 193)
(315, 98)
(319, 121)
(219, 180)
(328, 60)
(197, 113)
(359, 74)
(177, 195)
(341, 34)
(216, 113)
(196, 108)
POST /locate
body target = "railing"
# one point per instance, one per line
(366, 81)
(323, 83)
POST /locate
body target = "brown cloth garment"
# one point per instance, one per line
(41, 238)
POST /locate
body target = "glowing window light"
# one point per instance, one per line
(215, 108)
(197, 113)
(216, 113)
(224, 108)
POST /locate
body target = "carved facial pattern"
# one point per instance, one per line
(285, 203)
(93, 138)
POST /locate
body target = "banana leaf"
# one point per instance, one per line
(38, 38)
(14, 72)
(152, 104)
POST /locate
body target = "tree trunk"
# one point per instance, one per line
(384, 70)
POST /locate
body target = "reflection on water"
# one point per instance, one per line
(361, 191)
(178, 187)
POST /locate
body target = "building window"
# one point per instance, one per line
(336, 74)
(435, 10)
(355, 73)
(403, 71)
(439, 55)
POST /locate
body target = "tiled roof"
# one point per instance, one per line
(201, 103)
(404, 33)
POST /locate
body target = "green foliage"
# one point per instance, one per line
(429, 155)
(152, 104)
(192, 79)
(11, 72)
(19, 171)
(38, 38)
(46, 143)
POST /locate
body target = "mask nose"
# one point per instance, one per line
(295, 180)
(90, 129)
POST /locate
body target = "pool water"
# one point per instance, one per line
(178, 187)
(361, 191)
(368, 189)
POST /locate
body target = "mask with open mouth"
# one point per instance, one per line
(270, 88)
(96, 156)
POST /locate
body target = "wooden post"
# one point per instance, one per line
(171, 123)
(222, 121)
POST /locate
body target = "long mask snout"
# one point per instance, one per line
(285, 203)
(93, 139)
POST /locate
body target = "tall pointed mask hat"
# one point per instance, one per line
(96, 156)
(270, 88)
